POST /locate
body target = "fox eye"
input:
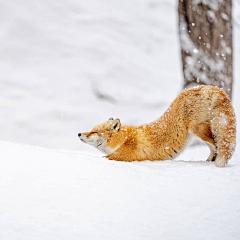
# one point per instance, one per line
(92, 133)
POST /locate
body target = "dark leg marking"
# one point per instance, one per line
(214, 157)
(174, 150)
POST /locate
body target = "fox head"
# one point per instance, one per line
(101, 134)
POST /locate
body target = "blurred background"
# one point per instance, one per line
(67, 65)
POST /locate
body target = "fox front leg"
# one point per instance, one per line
(114, 156)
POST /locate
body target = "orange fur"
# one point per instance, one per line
(204, 111)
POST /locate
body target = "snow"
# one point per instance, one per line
(53, 194)
(69, 65)
(187, 44)
(212, 4)
(225, 16)
(211, 16)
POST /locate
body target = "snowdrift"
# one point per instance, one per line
(49, 194)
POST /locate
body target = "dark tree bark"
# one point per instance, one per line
(205, 28)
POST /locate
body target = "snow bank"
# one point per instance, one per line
(49, 194)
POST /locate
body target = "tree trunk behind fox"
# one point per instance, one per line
(205, 29)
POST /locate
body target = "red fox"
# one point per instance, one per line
(204, 111)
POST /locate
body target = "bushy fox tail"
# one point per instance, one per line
(224, 129)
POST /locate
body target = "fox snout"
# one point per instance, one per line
(82, 137)
(85, 137)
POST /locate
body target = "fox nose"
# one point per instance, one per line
(79, 134)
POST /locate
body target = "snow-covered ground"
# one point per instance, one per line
(67, 65)
(48, 194)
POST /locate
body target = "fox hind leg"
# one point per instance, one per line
(213, 152)
(224, 127)
(204, 132)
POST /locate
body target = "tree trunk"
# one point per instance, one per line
(205, 28)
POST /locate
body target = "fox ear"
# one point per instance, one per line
(115, 125)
